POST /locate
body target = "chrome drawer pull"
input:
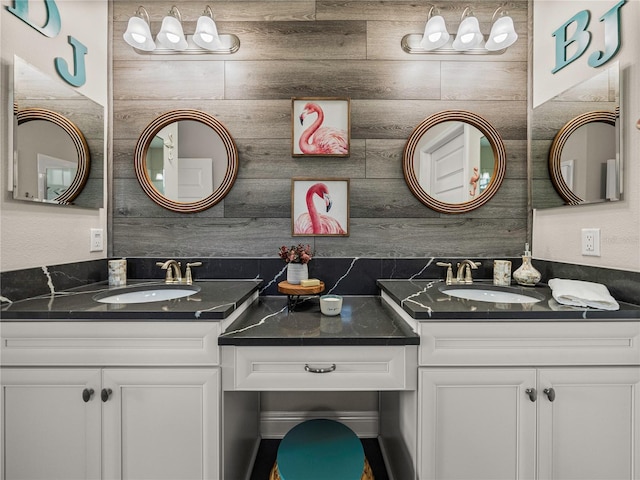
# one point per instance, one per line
(307, 368)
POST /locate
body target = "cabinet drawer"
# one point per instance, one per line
(109, 343)
(319, 368)
(530, 343)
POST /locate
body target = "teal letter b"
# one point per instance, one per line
(581, 37)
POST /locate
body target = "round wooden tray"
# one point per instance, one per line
(291, 289)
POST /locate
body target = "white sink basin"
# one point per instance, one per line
(146, 294)
(489, 294)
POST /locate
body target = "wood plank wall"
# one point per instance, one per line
(319, 48)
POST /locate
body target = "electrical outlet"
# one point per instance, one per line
(591, 242)
(97, 240)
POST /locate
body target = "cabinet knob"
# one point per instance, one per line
(307, 368)
(550, 393)
(86, 394)
(105, 394)
(533, 395)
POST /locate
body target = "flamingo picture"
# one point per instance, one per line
(312, 222)
(318, 139)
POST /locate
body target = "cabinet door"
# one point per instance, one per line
(48, 430)
(476, 424)
(161, 424)
(591, 430)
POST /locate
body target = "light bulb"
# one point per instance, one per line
(467, 37)
(138, 38)
(172, 37)
(500, 38)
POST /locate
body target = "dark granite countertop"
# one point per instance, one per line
(424, 301)
(364, 320)
(216, 300)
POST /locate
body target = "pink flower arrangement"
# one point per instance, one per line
(293, 254)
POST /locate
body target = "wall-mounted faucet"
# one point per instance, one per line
(463, 275)
(174, 274)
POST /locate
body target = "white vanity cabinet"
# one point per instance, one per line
(529, 400)
(110, 400)
(48, 430)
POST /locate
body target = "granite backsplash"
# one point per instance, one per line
(345, 276)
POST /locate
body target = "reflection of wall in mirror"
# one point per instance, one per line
(34, 89)
(36, 137)
(592, 145)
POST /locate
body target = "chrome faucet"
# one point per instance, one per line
(466, 266)
(174, 275)
(463, 275)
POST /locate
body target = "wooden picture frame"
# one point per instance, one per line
(320, 207)
(320, 127)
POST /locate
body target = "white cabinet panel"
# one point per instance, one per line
(162, 424)
(529, 343)
(476, 425)
(110, 343)
(319, 368)
(591, 431)
(48, 430)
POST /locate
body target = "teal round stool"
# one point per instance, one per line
(321, 449)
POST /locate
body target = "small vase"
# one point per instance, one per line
(297, 272)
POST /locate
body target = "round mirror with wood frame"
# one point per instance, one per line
(468, 174)
(559, 142)
(79, 144)
(143, 173)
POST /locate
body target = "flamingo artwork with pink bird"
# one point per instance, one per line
(312, 222)
(318, 139)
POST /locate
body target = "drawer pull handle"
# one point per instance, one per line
(533, 395)
(106, 393)
(86, 394)
(551, 393)
(307, 368)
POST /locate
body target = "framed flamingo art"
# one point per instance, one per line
(320, 207)
(320, 127)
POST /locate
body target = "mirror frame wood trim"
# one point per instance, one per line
(499, 154)
(559, 141)
(140, 159)
(79, 142)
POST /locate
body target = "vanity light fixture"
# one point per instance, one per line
(435, 32)
(138, 33)
(171, 38)
(206, 35)
(503, 34)
(171, 35)
(468, 40)
(469, 35)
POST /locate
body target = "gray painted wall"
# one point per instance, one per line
(319, 48)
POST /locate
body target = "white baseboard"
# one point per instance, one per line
(276, 424)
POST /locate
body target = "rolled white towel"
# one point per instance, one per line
(582, 294)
